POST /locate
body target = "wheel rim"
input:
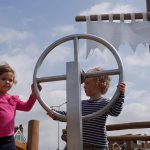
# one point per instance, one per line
(118, 71)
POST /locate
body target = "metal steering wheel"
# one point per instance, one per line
(75, 38)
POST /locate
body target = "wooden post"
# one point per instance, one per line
(148, 5)
(130, 145)
(33, 135)
(111, 147)
(143, 145)
(148, 10)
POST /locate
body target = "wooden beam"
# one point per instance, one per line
(129, 138)
(127, 16)
(148, 5)
(148, 10)
(132, 125)
(20, 146)
(123, 126)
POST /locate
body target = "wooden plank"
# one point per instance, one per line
(127, 16)
(129, 138)
(132, 125)
(148, 10)
(19, 145)
(148, 5)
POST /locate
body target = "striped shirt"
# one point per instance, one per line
(94, 130)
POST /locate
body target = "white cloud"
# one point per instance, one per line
(59, 55)
(63, 29)
(136, 94)
(54, 97)
(123, 8)
(106, 8)
(138, 65)
(10, 35)
(134, 108)
(136, 61)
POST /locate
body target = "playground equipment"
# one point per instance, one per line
(130, 139)
(74, 72)
(124, 142)
(33, 137)
(78, 79)
(73, 78)
(33, 134)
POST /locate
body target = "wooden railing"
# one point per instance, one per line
(129, 139)
(20, 146)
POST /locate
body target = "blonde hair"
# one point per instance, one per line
(6, 68)
(103, 81)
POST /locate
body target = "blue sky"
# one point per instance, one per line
(27, 28)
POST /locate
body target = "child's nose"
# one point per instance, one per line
(7, 81)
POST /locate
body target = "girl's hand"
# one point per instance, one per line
(33, 95)
(51, 114)
(121, 87)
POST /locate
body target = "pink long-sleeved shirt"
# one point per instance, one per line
(8, 106)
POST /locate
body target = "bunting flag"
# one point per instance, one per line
(116, 33)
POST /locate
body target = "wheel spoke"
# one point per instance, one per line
(76, 48)
(52, 78)
(103, 72)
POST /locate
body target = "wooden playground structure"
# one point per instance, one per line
(129, 141)
(115, 142)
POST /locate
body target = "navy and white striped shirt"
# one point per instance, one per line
(94, 130)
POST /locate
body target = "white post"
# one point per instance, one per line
(74, 119)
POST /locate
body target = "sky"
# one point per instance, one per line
(28, 28)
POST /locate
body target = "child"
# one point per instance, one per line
(8, 106)
(94, 130)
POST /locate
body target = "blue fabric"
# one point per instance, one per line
(7, 143)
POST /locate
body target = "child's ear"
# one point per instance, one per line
(98, 83)
(103, 84)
